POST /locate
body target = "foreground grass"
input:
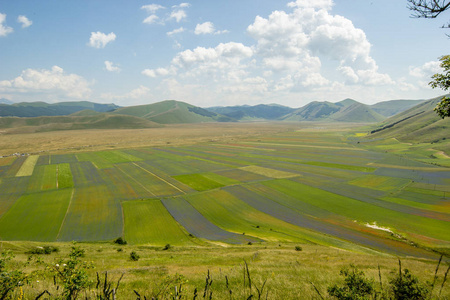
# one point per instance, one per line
(288, 273)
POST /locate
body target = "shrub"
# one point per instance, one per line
(43, 250)
(167, 247)
(356, 285)
(298, 248)
(9, 280)
(120, 241)
(134, 256)
(406, 286)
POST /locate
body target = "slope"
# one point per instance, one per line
(52, 123)
(393, 107)
(38, 109)
(257, 112)
(417, 124)
(172, 112)
(347, 110)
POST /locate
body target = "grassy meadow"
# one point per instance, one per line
(252, 191)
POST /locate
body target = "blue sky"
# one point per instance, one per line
(222, 52)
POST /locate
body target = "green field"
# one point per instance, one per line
(307, 186)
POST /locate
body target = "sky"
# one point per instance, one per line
(217, 53)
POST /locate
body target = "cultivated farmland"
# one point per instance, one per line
(309, 185)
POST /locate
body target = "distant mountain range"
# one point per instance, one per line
(40, 116)
(39, 109)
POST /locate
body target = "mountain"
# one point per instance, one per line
(347, 110)
(53, 123)
(38, 109)
(172, 112)
(417, 124)
(393, 107)
(257, 112)
(5, 101)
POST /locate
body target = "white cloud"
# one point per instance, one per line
(100, 40)
(175, 31)
(295, 42)
(137, 93)
(182, 5)
(151, 19)
(152, 8)
(25, 21)
(204, 28)
(53, 83)
(156, 72)
(178, 15)
(111, 67)
(426, 70)
(4, 30)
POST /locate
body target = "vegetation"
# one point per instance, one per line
(443, 81)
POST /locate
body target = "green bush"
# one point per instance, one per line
(356, 286)
(120, 241)
(134, 256)
(298, 248)
(406, 286)
(43, 250)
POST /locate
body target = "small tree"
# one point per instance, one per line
(356, 285)
(71, 273)
(9, 280)
(443, 81)
(406, 286)
(134, 256)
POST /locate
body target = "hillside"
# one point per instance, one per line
(39, 109)
(417, 124)
(347, 110)
(257, 112)
(172, 112)
(393, 107)
(53, 123)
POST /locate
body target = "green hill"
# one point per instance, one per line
(172, 112)
(257, 112)
(53, 123)
(39, 109)
(417, 124)
(347, 110)
(393, 107)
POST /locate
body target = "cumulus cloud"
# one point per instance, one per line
(175, 31)
(151, 19)
(207, 28)
(294, 42)
(204, 28)
(156, 72)
(54, 82)
(4, 30)
(178, 15)
(152, 8)
(111, 67)
(426, 70)
(100, 40)
(25, 21)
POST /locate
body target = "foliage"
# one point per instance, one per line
(44, 250)
(298, 248)
(443, 81)
(406, 286)
(9, 280)
(356, 285)
(134, 256)
(120, 241)
(71, 273)
(167, 247)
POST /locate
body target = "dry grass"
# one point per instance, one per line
(180, 134)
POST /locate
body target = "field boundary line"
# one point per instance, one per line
(65, 216)
(137, 182)
(308, 146)
(159, 178)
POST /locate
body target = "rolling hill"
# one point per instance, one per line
(172, 112)
(347, 110)
(417, 124)
(39, 109)
(393, 107)
(252, 113)
(53, 123)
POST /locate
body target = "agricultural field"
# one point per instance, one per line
(304, 184)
